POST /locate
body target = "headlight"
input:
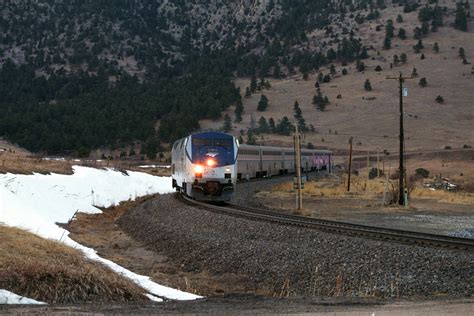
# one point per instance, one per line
(211, 162)
(198, 169)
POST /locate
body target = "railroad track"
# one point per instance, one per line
(350, 229)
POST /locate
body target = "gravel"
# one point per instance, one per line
(283, 260)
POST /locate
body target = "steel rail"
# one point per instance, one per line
(372, 232)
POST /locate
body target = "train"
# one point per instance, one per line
(206, 165)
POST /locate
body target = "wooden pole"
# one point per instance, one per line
(350, 165)
(299, 196)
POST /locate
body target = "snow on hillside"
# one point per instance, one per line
(7, 297)
(37, 202)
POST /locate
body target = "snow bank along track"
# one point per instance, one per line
(386, 234)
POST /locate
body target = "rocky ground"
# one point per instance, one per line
(286, 261)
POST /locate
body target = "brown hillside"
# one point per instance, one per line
(374, 123)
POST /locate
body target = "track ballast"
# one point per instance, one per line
(372, 232)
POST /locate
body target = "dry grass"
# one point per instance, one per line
(25, 164)
(21, 164)
(361, 188)
(49, 271)
(443, 196)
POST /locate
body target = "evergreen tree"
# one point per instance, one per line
(250, 137)
(439, 99)
(367, 85)
(263, 125)
(271, 125)
(423, 83)
(253, 84)
(402, 33)
(239, 110)
(319, 101)
(403, 58)
(284, 126)
(460, 21)
(227, 125)
(395, 60)
(332, 69)
(414, 72)
(296, 110)
(389, 29)
(262, 104)
(248, 93)
(378, 68)
(436, 47)
(387, 43)
(461, 53)
(399, 18)
(344, 71)
(360, 66)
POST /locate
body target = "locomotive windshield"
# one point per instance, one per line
(220, 149)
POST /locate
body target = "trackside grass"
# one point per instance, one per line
(49, 271)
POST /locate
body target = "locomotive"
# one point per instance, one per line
(203, 166)
(207, 165)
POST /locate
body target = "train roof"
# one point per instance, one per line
(320, 151)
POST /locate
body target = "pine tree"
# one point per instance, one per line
(296, 110)
(253, 84)
(367, 85)
(319, 101)
(248, 93)
(262, 104)
(227, 125)
(271, 125)
(403, 58)
(399, 18)
(284, 127)
(436, 47)
(423, 83)
(262, 125)
(250, 138)
(461, 53)
(387, 43)
(395, 60)
(239, 110)
(332, 69)
(460, 21)
(439, 99)
(378, 68)
(389, 29)
(402, 33)
(414, 72)
(344, 71)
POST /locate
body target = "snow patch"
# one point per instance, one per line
(37, 202)
(7, 297)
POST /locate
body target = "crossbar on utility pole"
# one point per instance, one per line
(401, 189)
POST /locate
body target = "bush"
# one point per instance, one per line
(447, 147)
(373, 173)
(422, 172)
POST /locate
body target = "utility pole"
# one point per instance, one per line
(350, 165)
(368, 165)
(378, 161)
(401, 187)
(299, 194)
